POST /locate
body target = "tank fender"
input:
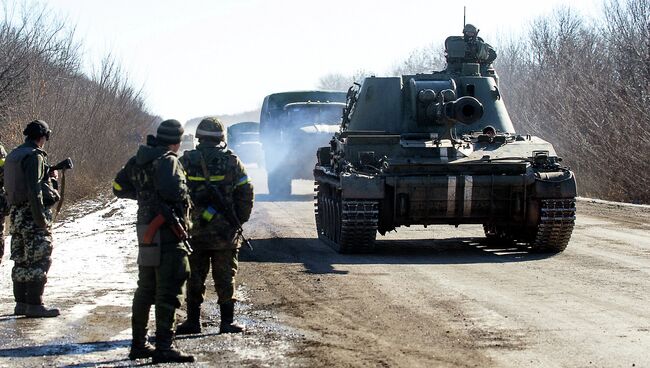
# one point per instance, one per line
(361, 186)
(555, 185)
(323, 156)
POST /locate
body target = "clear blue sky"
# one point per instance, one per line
(200, 57)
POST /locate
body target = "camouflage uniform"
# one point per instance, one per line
(31, 245)
(154, 176)
(215, 241)
(4, 207)
(31, 192)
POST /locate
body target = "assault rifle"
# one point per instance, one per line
(217, 200)
(167, 216)
(63, 165)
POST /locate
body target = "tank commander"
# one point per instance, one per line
(156, 179)
(31, 193)
(470, 48)
(223, 197)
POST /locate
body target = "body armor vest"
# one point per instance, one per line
(15, 184)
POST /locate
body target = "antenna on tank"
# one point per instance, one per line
(464, 15)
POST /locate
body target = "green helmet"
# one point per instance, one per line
(470, 31)
(211, 128)
(37, 129)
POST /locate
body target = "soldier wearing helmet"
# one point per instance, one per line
(214, 238)
(470, 48)
(30, 194)
(470, 32)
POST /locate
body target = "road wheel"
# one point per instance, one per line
(498, 235)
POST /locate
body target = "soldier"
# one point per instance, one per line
(215, 239)
(156, 179)
(478, 51)
(31, 194)
(4, 207)
(468, 49)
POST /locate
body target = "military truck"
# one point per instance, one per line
(440, 148)
(244, 139)
(292, 126)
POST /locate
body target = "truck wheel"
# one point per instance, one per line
(279, 184)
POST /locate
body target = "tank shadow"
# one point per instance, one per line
(280, 198)
(319, 258)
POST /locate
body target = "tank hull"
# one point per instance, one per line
(523, 207)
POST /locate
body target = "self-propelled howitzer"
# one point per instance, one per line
(439, 148)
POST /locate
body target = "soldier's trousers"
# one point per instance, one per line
(162, 286)
(224, 268)
(31, 246)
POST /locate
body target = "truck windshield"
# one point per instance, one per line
(314, 115)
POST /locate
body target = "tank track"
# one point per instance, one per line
(557, 218)
(348, 226)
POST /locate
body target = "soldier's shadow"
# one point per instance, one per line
(63, 349)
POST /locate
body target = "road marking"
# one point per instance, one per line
(451, 196)
(469, 181)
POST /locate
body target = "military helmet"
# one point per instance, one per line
(470, 30)
(37, 129)
(211, 128)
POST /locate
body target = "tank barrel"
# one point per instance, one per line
(466, 110)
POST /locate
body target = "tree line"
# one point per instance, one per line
(581, 83)
(96, 119)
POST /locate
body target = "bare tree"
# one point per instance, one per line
(422, 60)
(96, 120)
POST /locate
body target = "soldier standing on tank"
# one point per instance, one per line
(31, 194)
(156, 179)
(215, 240)
(477, 50)
(4, 207)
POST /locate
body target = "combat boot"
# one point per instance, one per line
(227, 315)
(166, 352)
(140, 347)
(20, 295)
(20, 309)
(193, 323)
(34, 298)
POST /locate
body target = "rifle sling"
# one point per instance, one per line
(204, 167)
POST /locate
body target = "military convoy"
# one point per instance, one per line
(440, 148)
(292, 126)
(244, 139)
